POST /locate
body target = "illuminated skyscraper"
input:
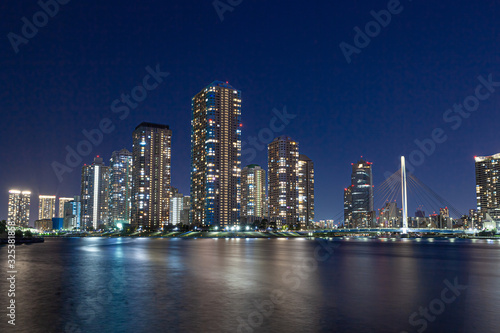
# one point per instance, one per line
(179, 209)
(216, 156)
(253, 193)
(62, 201)
(488, 185)
(120, 186)
(283, 162)
(95, 185)
(348, 207)
(19, 208)
(46, 207)
(151, 155)
(305, 191)
(362, 213)
(72, 214)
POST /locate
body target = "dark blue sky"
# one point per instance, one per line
(279, 54)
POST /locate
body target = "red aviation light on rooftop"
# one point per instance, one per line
(241, 125)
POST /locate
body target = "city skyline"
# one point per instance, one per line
(247, 166)
(48, 202)
(369, 107)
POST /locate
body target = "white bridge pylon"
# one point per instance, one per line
(404, 196)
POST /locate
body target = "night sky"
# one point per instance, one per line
(280, 55)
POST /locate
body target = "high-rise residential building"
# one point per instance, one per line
(348, 207)
(305, 203)
(72, 214)
(151, 154)
(46, 207)
(216, 156)
(179, 209)
(94, 195)
(120, 187)
(176, 207)
(253, 193)
(283, 160)
(362, 213)
(62, 201)
(19, 208)
(488, 185)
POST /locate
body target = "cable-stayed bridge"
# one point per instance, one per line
(399, 188)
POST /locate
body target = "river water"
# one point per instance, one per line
(255, 285)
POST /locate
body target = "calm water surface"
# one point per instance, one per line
(253, 285)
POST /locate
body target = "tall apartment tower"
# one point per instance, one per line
(306, 191)
(46, 207)
(120, 186)
(151, 159)
(253, 193)
(216, 156)
(283, 162)
(348, 207)
(72, 214)
(488, 185)
(62, 201)
(19, 208)
(362, 213)
(94, 194)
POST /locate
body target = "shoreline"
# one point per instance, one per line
(267, 235)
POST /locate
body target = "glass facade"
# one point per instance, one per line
(359, 210)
